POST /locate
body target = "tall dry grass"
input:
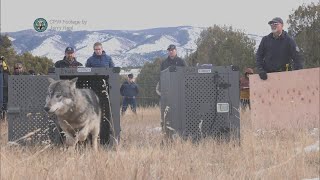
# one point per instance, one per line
(142, 154)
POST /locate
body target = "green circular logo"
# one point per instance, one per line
(40, 25)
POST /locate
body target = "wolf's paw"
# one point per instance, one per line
(82, 137)
(70, 141)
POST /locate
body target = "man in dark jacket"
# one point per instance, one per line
(277, 51)
(69, 59)
(129, 90)
(172, 59)
(99, 57)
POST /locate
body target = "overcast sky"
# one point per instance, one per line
(249, 15)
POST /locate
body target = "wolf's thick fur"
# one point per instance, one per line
(77, 110)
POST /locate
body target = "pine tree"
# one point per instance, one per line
(147, 81)
(304, 27)
(224, 46)
(30, 62)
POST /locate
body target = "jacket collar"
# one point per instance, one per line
(172, 58)
(65, 59)
(103, 54)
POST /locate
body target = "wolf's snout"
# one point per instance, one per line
(47, 109)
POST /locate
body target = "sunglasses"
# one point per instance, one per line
(18, 68)
(274, 24)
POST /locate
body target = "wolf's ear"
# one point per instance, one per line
(74, 80)
(51, 80)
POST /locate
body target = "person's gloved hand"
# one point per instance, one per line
(263, 75)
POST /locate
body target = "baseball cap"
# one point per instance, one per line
(69, 50)
(171, 47)
(276, 20)
(249, 71)
(130, 76)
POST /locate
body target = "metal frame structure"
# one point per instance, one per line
(198, 102)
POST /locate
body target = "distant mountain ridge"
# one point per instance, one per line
(127, 48)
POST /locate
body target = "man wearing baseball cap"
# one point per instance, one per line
(68, 60)
(172, 59)
(129, 90)
(277, 51)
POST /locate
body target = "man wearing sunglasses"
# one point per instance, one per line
(18, 69)
(277, 51)
(69, 60)
(172, 59)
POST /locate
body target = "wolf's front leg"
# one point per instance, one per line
(95, 134)
(83, 134)
(95, 142)
(71, 141)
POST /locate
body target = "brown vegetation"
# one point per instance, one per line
(142, 154)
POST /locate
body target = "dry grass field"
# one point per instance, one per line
(142, 154)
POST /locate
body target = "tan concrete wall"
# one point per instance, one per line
(286, 100)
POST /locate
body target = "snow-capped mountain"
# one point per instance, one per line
(127, 48)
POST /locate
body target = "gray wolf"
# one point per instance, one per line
(78, 111)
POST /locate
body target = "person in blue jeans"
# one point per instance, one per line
(99, 57)
(129, 90)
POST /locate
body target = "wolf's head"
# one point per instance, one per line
(60, 96)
